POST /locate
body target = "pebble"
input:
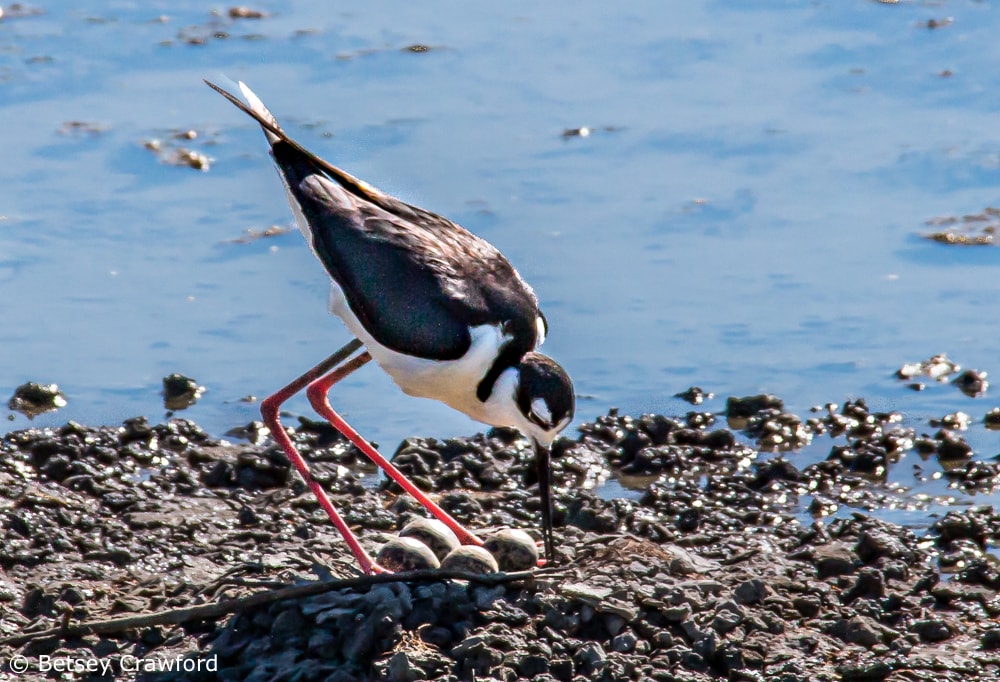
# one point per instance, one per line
(752, 591)
(991, 639)
(710, 573)
(33, 399)
(833, 560)
(180, 392)
(742, 408)
(972, 383)
(932, 630)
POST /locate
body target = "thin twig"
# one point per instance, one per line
(214, 610)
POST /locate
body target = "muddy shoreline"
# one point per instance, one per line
(709, 574)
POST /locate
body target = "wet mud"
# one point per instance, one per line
(724, 564)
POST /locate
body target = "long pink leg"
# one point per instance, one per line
(270, 411)
(318, 395)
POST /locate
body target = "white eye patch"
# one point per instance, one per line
(541, 410)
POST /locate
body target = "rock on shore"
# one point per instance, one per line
(713, 572)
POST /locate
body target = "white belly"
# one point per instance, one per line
(452, 382)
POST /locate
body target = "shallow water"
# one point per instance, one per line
(745, 215)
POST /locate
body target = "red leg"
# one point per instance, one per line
(270, 411)
(317, 393)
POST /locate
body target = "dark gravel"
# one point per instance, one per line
(712, 570)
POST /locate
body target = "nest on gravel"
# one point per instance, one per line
(710, 573)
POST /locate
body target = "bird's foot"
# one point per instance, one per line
(542, 561)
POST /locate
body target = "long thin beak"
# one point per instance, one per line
(543, 465)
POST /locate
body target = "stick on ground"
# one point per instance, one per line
(214, 610)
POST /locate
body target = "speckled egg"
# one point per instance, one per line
(513, 549)
(470, 559)
(406, 554)
(433, 533)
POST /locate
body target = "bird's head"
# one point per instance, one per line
(545, 403)
(544, 397)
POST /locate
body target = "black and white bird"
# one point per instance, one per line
(438, 308)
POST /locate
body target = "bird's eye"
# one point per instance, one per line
(541, 331)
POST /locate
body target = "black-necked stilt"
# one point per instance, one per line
(439, 309)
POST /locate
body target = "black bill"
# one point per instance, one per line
(543, 465)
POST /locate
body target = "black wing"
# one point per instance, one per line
(414, 279)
